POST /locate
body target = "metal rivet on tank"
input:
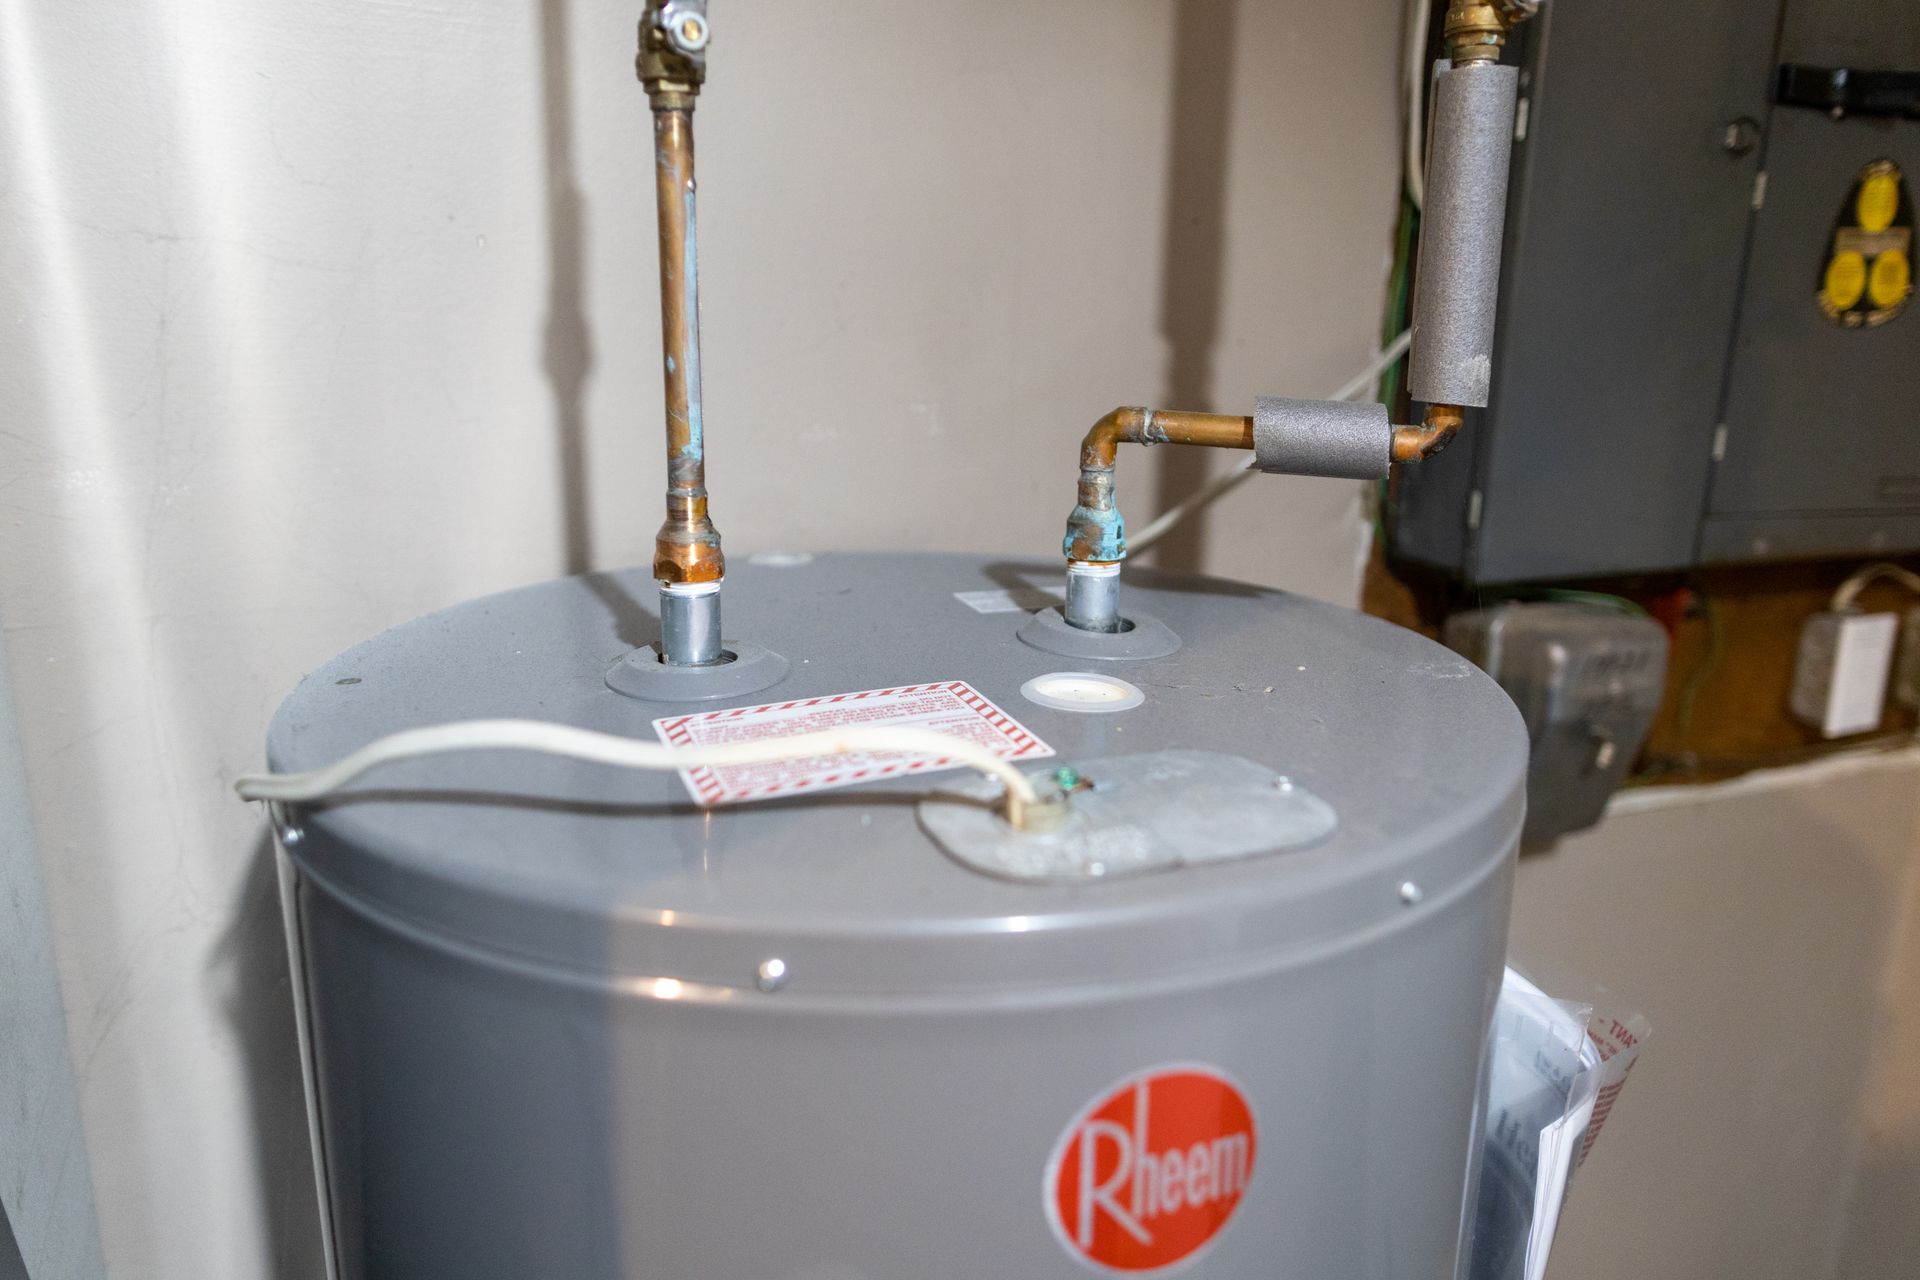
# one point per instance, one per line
(1411, 893)
(771, 975)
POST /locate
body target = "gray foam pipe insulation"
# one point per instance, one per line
(1462, 223)
(576, 1022)
(1456, 289)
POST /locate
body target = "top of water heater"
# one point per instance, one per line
(835, 891)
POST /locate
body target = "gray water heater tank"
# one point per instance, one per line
(565, 1023)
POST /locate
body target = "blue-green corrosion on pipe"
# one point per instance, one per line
(1096, 534)
(1096, 531)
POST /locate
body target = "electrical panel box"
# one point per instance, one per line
(1588, 681)
(1705, 350)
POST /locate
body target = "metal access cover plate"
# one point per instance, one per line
(1151, 812)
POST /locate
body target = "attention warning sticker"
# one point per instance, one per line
(950, 706)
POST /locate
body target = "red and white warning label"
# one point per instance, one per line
(950, 706)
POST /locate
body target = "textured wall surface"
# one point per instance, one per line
(324, 314)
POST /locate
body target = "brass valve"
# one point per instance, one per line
(672, 61)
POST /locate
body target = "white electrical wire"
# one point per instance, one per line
(1419, 16)
(1226, 481)
(1849, 591)
(631, 753)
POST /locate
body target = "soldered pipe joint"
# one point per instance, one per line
(687, 549)
(1096, 532)
(690, 624)
(1435, 432)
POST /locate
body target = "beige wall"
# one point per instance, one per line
(1765, 928)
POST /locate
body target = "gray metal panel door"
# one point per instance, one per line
(1865, 35)
(1625, 260)
(1801, 383)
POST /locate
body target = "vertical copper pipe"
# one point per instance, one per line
(688, 548)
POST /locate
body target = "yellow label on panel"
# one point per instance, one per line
(1879, 201)
(1891, 280)
(1866, 274)
(1846, 280)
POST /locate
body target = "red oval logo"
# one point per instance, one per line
(1148, 1174)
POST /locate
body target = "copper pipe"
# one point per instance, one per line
(1095, 532)
(688, 546)
(1411, 444)
(1162, 426)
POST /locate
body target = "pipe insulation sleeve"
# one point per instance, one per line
(1322, 438)
(1458, 284)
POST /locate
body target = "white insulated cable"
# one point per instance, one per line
(1849, 592)
(630, 753)
(1226, 481)
(1365, 379)
(1419, 16)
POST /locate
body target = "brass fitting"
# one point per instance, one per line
(1476, 29)
(1442, 423)
(672, 62)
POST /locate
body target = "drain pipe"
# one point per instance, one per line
(687, 559)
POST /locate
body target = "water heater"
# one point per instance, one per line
(572, 1021)
(635, 944)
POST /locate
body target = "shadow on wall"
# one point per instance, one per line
(251, 963)
(1194, 256)
(1883, 1228)
(568, 342)
(12, 1267)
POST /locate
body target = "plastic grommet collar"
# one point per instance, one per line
(1148, 637)
(641, 674)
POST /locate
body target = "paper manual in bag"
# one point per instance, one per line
(1554, 1068)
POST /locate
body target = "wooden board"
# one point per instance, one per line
(1733, 632)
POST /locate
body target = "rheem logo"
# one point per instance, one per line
(1148, 1174)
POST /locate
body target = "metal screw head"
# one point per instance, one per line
(1411, 893)
(1741, 136)
(290, 836)
(771, 975)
